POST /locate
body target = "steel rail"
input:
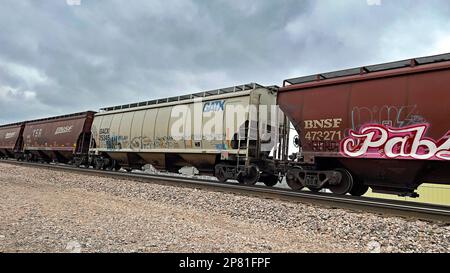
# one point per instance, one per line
(385, 207)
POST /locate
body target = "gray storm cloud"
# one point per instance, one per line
(57, 58)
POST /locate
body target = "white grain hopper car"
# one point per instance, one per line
(206, 130)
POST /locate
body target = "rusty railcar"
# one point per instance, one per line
(11, 140)
(59, 138)
(385, 126)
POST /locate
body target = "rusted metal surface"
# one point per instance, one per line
(396, 120)
(10, 139)
(66, 135)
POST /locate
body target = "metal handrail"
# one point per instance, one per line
(233, 89)
(368, 69)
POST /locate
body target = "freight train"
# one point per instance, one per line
(381, 126)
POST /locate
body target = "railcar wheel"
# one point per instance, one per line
(86, 163)
(359, 188)
(345, 185)
(313, 189)
(220, 174)
(292, 181)
(99, 165)
(252, 176)
(112, 166)
(240, 179)
(269, 180)
(77, 162)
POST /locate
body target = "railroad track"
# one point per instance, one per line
(428, 212)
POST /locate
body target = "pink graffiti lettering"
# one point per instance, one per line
(379, 141)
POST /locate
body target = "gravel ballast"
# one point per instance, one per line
(44, 210)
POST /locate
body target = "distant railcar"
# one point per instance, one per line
(11, 140)
(385, 126)
(133, 135)
(62, 139)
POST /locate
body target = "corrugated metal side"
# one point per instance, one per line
(54, 134)
(147, 129)
(9, 136)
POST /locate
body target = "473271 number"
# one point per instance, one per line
(323, 135)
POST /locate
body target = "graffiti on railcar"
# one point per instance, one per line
(388, 115)
(135, 143)
(117, 142)
(113, 142)
(105, 138)
(409, 142)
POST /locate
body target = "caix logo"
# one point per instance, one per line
(214, 106)
(73, 2)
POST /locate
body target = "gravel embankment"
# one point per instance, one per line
(52, 211)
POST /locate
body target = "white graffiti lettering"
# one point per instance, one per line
(379, 141)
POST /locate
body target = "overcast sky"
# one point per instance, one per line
(57, 58)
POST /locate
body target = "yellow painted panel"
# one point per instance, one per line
(429, 193)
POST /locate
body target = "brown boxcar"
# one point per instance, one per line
(58, 138)
(11, 139)
(387, 124)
